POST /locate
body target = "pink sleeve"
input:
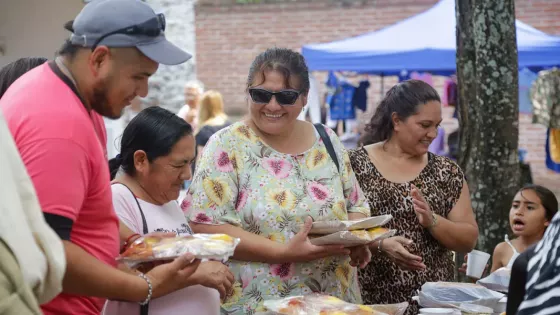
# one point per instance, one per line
(60, 171)
(126, 208)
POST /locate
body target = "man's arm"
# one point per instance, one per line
(85, 275)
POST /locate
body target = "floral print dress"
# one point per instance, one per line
(241, 181)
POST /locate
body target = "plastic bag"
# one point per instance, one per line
(453, 295)
(329, 227)
(317, 304)
(497, 281)
(353, 238)
(202, 246)
(391, 309)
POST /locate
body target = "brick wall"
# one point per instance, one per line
(229, 35)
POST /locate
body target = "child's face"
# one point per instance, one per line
(527, 216)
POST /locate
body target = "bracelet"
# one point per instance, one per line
(149, 297)
(379, 249)
(127, 242)
(434, 221)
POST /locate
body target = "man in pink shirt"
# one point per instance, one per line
(54, 113)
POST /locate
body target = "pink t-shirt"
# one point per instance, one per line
(63, 148)
(197, 299)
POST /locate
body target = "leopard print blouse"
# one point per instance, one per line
(441, 181)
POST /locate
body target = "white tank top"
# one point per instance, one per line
(515, 253)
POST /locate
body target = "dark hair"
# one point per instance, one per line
(12, 71)
(402, 99)
(547, 197)
(154, 130)
(286, 61)
(365, 139)
(68, 49)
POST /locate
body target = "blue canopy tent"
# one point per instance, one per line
(425, 42)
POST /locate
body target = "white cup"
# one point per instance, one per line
(476, 262)
(436, 311)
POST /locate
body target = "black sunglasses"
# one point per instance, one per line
(152, 27)
(284, 97)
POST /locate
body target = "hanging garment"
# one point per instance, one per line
(450, 93)
(313, 102)
(340, 100)
(438, 145)
(423, 76)
(545, 97)
(360, 96)
(526, 80)
(553, 150)
(404, 75)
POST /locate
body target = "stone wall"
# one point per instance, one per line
(166, 86)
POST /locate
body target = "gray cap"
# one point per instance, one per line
(101, 17)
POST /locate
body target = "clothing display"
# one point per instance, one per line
(404, 75)
(450, 93)
(423, 76)
(545, 97)
(438, 145)
(360, 96)
(553, 150)
(340, 97)
(526, 79)
(313, 106)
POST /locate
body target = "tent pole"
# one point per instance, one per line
(382, 87)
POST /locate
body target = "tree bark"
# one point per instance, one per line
(489, 116)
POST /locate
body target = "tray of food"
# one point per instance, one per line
(317, 304)
(329, 227)
(202, 246)
(352, 238)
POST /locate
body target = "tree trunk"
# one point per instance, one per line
(466, 76)
(488, 90)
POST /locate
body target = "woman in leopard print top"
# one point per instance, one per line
(426, 194)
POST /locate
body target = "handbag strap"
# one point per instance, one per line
(143, 308)
(328, 144)
(144, 224)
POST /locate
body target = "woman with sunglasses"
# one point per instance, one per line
(264, 178)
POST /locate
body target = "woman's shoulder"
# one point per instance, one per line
(227, 133)
(442, 160)
(121, 191)
(448, 168)
(357, 153)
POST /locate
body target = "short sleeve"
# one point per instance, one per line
(356, 201)
(126, 208)
(213, 193)
(453, 179)
(60, 170)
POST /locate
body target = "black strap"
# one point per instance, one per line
(328, 144)
(143, 308)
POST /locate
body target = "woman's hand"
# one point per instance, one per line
(300, 249)
(215, 275)
(394, 248)
(421, 207)
(360, 255)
